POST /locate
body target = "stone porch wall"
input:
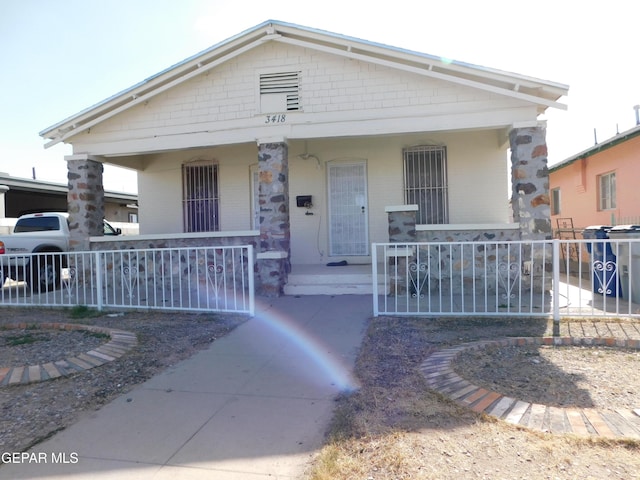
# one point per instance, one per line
(184, 265)
(454, 262)
(222, 239)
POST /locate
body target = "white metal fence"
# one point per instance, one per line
(556, 278)
(200, 279)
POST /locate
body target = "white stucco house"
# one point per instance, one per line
(306, 142)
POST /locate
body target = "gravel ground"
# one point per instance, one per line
(20, 347)
(584, 377)
(32, 413)
(396, 428)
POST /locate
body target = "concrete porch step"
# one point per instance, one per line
(323, 280)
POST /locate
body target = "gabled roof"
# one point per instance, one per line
(607, 144)
(539, 92)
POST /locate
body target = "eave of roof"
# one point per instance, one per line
(542, 92)
(28, 184)
(600, 147)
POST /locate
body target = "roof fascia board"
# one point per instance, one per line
(592, 151)
(411, 55)
(425, 72)
(135, 99)
(26, 184)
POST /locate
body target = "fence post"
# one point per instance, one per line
(374, 274)
(556, 287)
(251, 272)
(98, 280)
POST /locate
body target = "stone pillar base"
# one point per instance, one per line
(402, 223)
(272, 272)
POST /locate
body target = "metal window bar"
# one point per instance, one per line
(201, 198)
(426, 183)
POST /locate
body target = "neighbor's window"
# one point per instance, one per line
(555, 201)
(200, 197)
(607, 185)
(425, 183)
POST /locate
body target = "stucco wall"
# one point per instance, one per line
(579, 190)
(477, 185)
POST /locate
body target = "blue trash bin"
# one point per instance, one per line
(628, 253)
(603, 260)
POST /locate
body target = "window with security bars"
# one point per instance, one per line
(280, 92)
(425, 183)
(200, 198)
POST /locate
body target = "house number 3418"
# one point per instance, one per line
(276, 118)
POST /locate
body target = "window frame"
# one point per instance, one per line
(555, 201)
(607, 191)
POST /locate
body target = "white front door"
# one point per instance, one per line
(348, 224)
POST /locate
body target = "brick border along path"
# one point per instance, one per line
(579, 421)
(121, 342)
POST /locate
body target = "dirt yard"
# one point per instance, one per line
(394, 427)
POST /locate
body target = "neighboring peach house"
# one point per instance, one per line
(311, 145)
(598, 186)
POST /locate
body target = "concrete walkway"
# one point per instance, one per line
(255, 405)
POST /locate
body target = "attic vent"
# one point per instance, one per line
(279, 92)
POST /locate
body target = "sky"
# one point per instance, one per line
(60, 57)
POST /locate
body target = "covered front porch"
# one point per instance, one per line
(304, 205)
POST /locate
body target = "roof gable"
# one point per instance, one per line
(541, 93)
(600, 147)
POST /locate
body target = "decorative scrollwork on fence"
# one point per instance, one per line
(215, 276)
(508, 276)
(129, 278)
(418, 275)
(604, 276)
(68, 281)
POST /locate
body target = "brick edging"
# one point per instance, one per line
(440, 376)
(120, 343)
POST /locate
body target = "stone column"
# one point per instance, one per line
(530, 198)
(85, 200)
(530, 183)
(273, 263)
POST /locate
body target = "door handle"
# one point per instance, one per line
(362, 208)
